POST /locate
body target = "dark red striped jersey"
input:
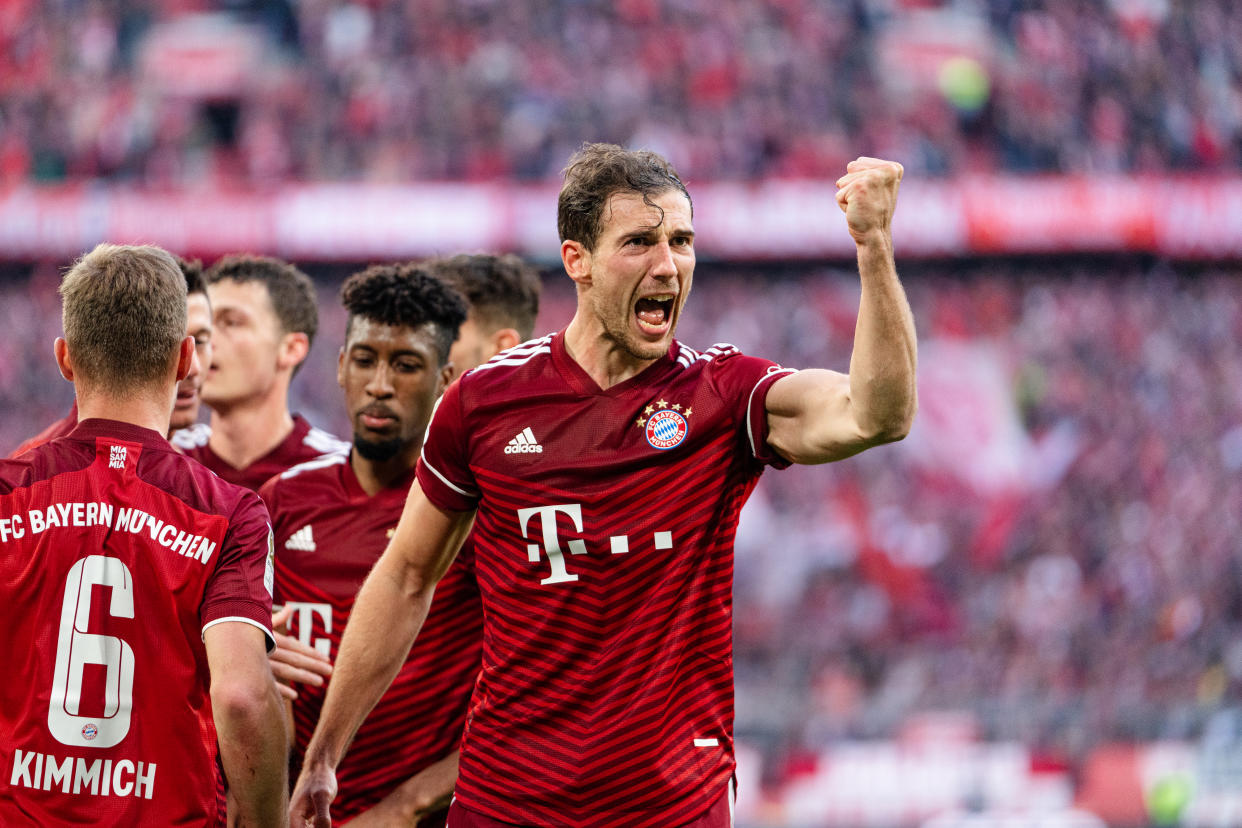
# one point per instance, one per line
(304, 443)
(116, 552)
(604, 551)
(59, 428)
(329, 533)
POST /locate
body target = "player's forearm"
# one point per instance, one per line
(883, 394)
(250, 726)
(387, 615)
(428, 791)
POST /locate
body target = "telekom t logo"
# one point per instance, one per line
(551, 543)
(551, 546)
(305, 613)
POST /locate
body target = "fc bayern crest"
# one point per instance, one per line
(666, 429)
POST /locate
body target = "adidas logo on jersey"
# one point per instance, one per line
(524, 443)
(301, 539)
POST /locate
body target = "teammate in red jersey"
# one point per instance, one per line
(333, 518)
(265, 316)
(603, 469)
(136, 586)
(198, 325)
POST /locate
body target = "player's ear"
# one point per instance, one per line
(504, 339)
(448, 372)
(293, 349)
(185, 358)
(63, 361)
(340, 367)
(577, 261)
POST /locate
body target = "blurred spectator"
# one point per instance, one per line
(253, 92)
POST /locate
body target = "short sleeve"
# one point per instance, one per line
(444, 468)
(744, 382)
(240, 588)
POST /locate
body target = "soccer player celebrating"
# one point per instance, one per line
(135, 586)
(603, 469)
(265, 316)
(198, 325)
(332, 518)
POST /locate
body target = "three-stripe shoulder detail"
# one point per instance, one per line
(335, 458)
(519, 354)
(687, 356)
(195, 436)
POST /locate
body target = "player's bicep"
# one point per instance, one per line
(810, 419)
(426, 541)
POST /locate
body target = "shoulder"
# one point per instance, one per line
(527, 355)
(322, 471)
(308, 484)
(195, 485)
(688, 357)
(315, 438)
(193, 437)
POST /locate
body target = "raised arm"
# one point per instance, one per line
(387, 615)
(816, 416)
(250, 723)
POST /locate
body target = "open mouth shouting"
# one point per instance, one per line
(655, 313)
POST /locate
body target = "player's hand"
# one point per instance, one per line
(867, 194)
(312, 796)
(292, 661)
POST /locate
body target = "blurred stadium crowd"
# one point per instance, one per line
(254, 92)
(1060, 561)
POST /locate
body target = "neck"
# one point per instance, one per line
(241, 434)
(377, 475)
(146, 409)
(597, 354)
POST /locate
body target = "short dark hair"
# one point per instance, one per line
(291, 291)
(595, 173)
(192, 270)
(503, 291)
(124, 315)
(405, 295)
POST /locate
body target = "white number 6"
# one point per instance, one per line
(75, 648)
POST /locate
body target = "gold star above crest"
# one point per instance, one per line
(676, 407)
(640, 422)
(688, 410)
(648, 410)
(662, 403)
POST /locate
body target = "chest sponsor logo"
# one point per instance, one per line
(524, 443)
(305, 615)
(539, 524)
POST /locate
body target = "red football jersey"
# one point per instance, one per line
(604, 553)
(304, 443)
(59, 428)
(116, 552)
(328, 535)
